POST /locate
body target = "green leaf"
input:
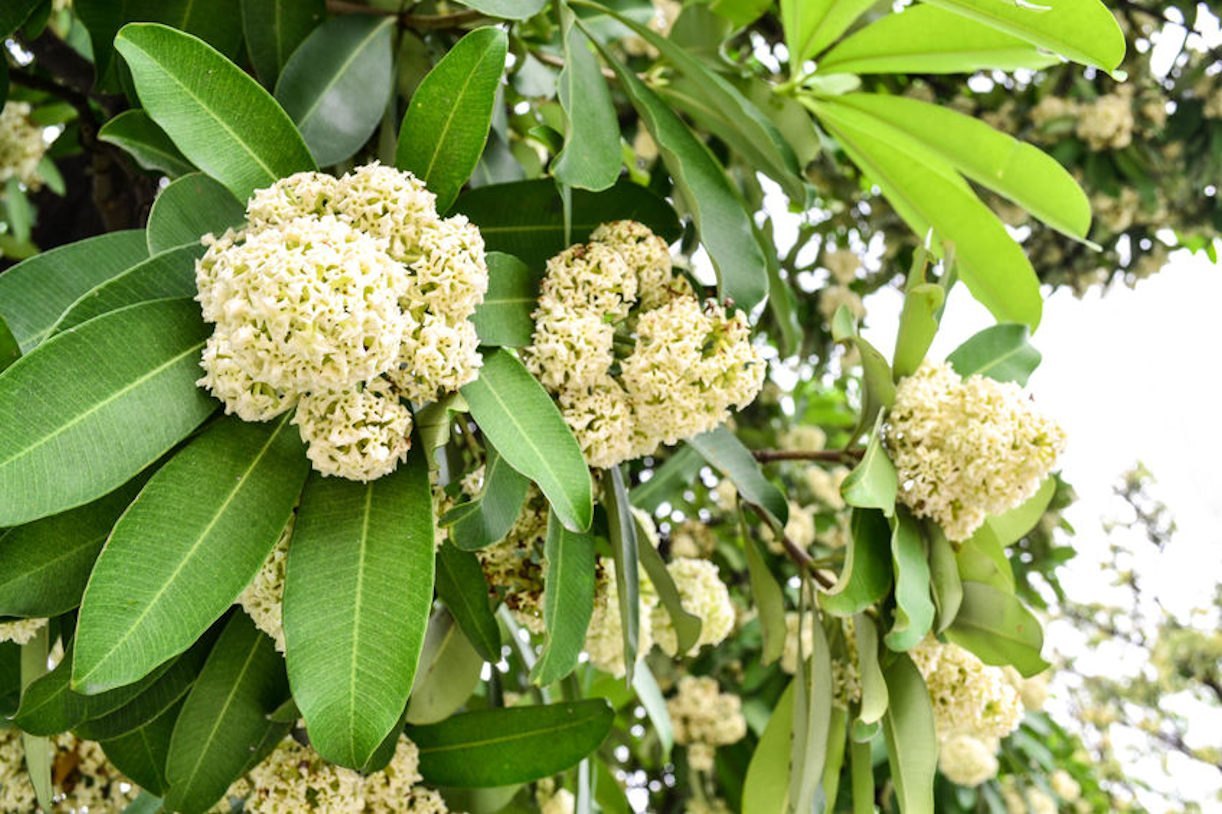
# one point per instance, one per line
(766, 788)
(274, 29)
(722, 449)
(336, 85)
(141, 753)
(568, 601)
(44, 565)
(812, 718)
(1015, 524)
(650, 695)
(140, 136)
(726, 230)
(879, 386)
(1082, 30)
(221, 119)
(446, 125)
(981, 558)
(861, 772)
(687, 625)
(503, 318)
(769, 602)
(914, 610)
(873, 482)
(189, 208)
(524, 424)
(669, 479)
(224, 720)
(591, 158)
(14, 13)
(621, 528)
(156, 586)
(37, 748)
(930, 40)
(812, 25)
(782, 301)
(488, 518)
(111, 396)
(10, 350)
(912, 741)
(357, 595)
(497, 747)
(866, 576)
(449, 672)
(507, 9)
(928, 194)
(874, 697)
(918, 325)
(462, 587)
(998, 629)
(834, 762)
(35, 292)
(526, 218)
(999, 352)
(164, 276)
(947, 586)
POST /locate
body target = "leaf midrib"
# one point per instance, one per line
(493, 741)
(339, 74)
(358, 596)
(449, 120)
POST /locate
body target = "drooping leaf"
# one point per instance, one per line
(879, 387)
(446, 126)
(999, 352)
(866, 575)
(503, 318)
(766, 788)
(462, 587)
(912, 744)
(1018, 522)
(188, 209)
(947, 585)
(507, 9)
(918, 324)
(722, 449)
(34, 293)
(336, 84)
(621, 527)
(768, 599)
(650, 695)
(449, 672)
(568, 601)
(687, 625)
(836, 737)
(914, 609)
(524, 424)
(497, 747)
(217, 115)
(812, 717)
(488, 518)
(111, 396)
(357, 595)
(998, 629)
(872, 484)
(981, 558)
(782, 301)
(157, 585)
(274, 29)
(10, 351)
(812, 25)
(591, 158)
(140, 136)
(874, 698)
(141, 753)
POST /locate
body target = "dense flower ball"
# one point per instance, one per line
(965, 449)
(21, 631)
(83, 780)
(343, 297)
(702, 594)
(704, 718)
(968, 696)
(21, 145)
(966, 760)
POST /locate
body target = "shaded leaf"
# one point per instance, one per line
(914, 609)
(507, 9)
(188, 209)
(981, 558)
(722, 449)
(449, 672)
(487, 518)
(866, 575)
(462, 587)
(879, 386)
(669, 479)
(687, 625)
(912, 742)
(503, 318)
(650, 695)
(872, 484)
(766, 788)
(274, 29)
(812, 717)
(568, 601)
(621, 527)
(768, 599)
(591, 157)
(874, 697)
(140, 136)
(141, 753)
(947, 586)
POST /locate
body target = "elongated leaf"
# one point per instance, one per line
(834, 761)
(998, 629)
(866, 576)
(873, 482)
(1015, 524)
(461, 585)
(722, 449)
(766, 788)
(156, 587)
(782, 301)
(1082, 30)
(111, 396)
(526, 218)
(224, 719)
(930, 40)
(503, 318)
(873, 685)
(912, 745)
(336, 85)
(188, 209)
(999, 352)
(274, 29)
(591, 158)
(669, 479)
(568, 601)
(140, 136)
(947, 586)
(357, 595)
(812, 718)
(446, 125)
(218, 116)
(44, 565)
(918, 325)
(497, 747)
(621, 527)
(812, 25)
(163, 276)
(37, 748)
(650, 695)
(507, 9)
(879, 387)
(35, 292)
(10, 351)
(914, 609)
(524, 424)
(687, 625)
(489, 517)
(769, 601)
(141, 753)
(449, 672)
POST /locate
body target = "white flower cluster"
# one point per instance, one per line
(293, 779)
(515, 566)
(1107, 123)
(702, 594)
(21, 145)
(967, 449)
(605, 634)
(343, 297)
(615, 302)
(704, 718)
(842, 264)
(84, 780)
(21, 631)
(263, 597)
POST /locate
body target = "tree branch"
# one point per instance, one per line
(419, 22)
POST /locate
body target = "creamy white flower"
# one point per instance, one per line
(591, 278)
(605, 634)
(515, 566)
(83, 780)
(645, 253)
(603, 422)
(966, 760)
(226, 379)
(570, 348)
(358, 434)
(802, 438)
(264, 596)
(386, 203)
(702, 594)
(21, 145)
(968, 696)
(1107, 123)
(825, 486)
(21, 631)
(843, 265)
(702, 714)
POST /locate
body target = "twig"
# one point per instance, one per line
(803, 560)
(829, 455)
(558, 62)
(419, 22)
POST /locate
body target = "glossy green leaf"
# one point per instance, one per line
(687, 625)
(914, 609)
(874, 697)
(722, 449)
(336, 85)
(622, 530)
(497, 747)
(188, 209)
(782, 301)
(812, 25)
(861, 773)
(141, 753)
(669, 479)
(111, 396)
(503, 318)
(872, 484)
(144, 141)
(568, 601)
(947, 585)
(766, 788)
(998, 629)
(164, 276)
(866, 575)
(507, 9)
(486, 519)
(449, 672)
(274, 29)
(357, 596)
(526, 218)
(768, 599)
(446, 125)
(217, 115)
(726, 230)
(1082, 30)
(999, 352)
(524, 424)
(1015, 524)
(812, 717)
(156, 586)
(918, 325)
(462, 587)
(224, 720)
(591, 158)
(912, 741)
(981, 558)
(879, 386)
(10, 350)
(34, 293)
(929, 40)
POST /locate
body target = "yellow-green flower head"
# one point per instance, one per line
(702, 594)
(21, 145)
